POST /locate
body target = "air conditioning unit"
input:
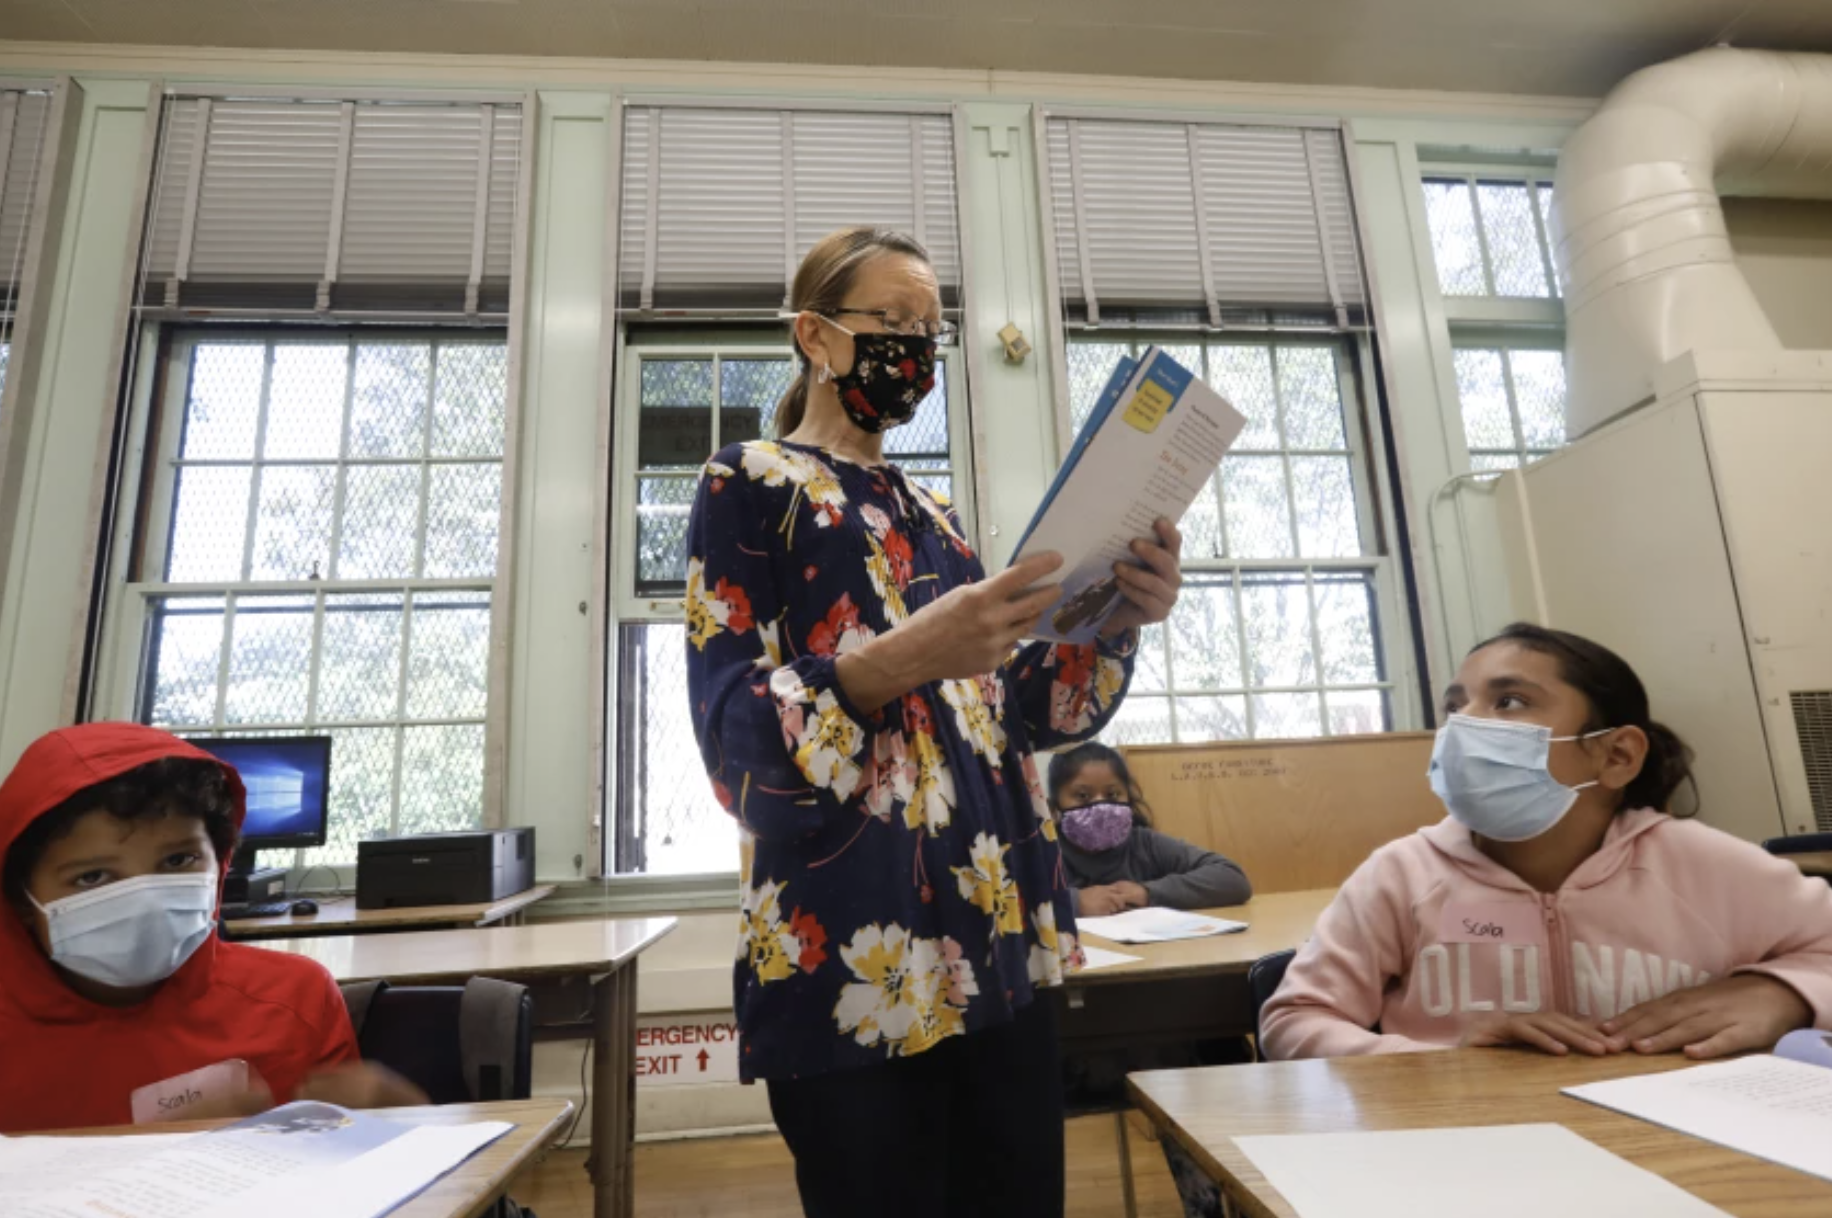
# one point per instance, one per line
(1694, 536)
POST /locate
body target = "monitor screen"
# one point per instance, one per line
(288, 780)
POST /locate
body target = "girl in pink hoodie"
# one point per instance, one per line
(1557, 907)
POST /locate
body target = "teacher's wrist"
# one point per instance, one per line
(878, 673)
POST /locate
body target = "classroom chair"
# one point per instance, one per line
(1802, 843)
(459, 1044)
(1262, 983)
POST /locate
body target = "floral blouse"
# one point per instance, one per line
(900, 871)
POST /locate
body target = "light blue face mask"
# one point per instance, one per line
(1493, 777)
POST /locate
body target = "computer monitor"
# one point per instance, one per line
(288, 779)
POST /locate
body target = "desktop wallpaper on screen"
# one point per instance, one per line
(285, 781)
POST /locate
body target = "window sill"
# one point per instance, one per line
(628, 895)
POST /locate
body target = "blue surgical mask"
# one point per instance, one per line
(1492, 775)
(133, 932)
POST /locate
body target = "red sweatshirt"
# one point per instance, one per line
(68, 1062)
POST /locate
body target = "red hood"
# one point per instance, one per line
(54, 768)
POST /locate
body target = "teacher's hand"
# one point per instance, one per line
(963, 633)
(1151, 590)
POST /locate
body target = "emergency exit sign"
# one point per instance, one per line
(686, 1050)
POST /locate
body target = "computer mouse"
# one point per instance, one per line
(305, 907)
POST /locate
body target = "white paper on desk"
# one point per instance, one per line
(1768, 1107)
(1100, 957)
(1157, 926)
(283, 1164)
(1500, 1171)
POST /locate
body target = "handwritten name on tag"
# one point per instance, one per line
(1491, 922)
(172, 1099)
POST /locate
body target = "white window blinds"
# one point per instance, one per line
(720, 205)
(334, 206)
(1210, 217)
(23, 114)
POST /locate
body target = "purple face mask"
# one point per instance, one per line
(1098, 827)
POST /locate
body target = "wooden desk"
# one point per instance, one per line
(1275, 922)
(471, 1188)
(1206, 1110)
(1813, 862)
(338, 915)
(604, 951)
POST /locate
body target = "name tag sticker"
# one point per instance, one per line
(1491, 922)
(171, 1099)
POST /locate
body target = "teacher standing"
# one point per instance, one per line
(866, 712)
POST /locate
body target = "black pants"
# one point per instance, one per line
(971, 1127)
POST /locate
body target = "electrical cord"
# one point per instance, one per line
(585, 1059)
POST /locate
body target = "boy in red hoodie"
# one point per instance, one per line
(112, 977)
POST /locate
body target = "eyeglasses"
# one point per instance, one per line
(898, 322)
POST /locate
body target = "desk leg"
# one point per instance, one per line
(614, 1094)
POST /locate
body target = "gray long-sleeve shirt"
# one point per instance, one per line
(1176, 874)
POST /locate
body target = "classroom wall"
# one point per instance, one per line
(1784, 247)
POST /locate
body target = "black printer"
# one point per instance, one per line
(469, 868)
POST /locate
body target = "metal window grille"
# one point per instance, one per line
(1489, 236)
(320, 556)
(1512, 401)
(1277, 632)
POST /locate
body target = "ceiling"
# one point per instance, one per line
(1549, 47)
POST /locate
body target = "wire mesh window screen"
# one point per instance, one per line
(1512, 400)
(678, 427)
(1490, 237)
(362, 206)
(719, 205)
(327, 563)
(1277, 632)
(1207, 216)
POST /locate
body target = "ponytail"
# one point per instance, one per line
(794, 403)
(1617, 699)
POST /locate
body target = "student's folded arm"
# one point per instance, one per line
(783, 745)
(1067, 692)
(1783, 921)
(1188, 877)
(1332, 995)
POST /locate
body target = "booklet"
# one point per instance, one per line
(1153, 442)
(1157, 925)
(299, 1160)
(1773, 1108)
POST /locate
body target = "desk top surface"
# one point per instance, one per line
(1275, 922)
(445, 957)
(469, 1189)
(1813, 862)
(337, 913)
(1208, 1109)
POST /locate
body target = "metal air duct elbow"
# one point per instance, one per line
(1639, 232)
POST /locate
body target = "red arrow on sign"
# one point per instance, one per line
(704, 1058)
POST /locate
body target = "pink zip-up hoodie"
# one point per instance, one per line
(1431, 934)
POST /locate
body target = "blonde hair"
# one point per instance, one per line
(822, 283)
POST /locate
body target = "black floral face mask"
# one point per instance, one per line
(891, 375)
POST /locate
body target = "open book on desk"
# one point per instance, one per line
(303, 1160)
(1149, 448)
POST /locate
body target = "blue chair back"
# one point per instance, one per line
(1800, 843)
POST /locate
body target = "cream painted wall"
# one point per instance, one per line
(1784, 247)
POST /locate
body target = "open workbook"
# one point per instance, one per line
(302, 1160)
(1151, 444)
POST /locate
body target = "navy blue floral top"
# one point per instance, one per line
(901, 880)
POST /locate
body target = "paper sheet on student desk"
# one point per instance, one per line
(1153, 925)
(1500, 1171)
(1100, 957)
(1768, 1107)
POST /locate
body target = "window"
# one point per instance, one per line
(1278, 629)
(319, 556)
(1489, 236)
(1512, 399)
(668, 821)
(26, 135)
(1490, 240)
